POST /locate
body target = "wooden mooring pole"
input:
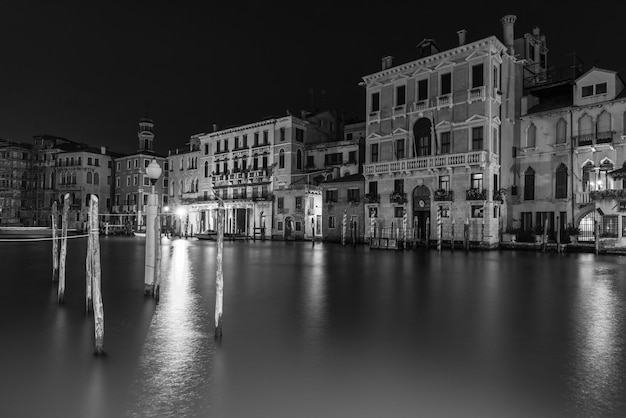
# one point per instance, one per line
(63, 252)
(89, 264)
(157, 259)
(219, 276)
(98, 308)
(55, 243)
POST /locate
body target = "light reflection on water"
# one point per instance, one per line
(174, 365)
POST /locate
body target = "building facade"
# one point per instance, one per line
(15, 182)
(344, 203)
(436, 131)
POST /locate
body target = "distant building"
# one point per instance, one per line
(15, 182)
(344, 196)
(184, 178)
(132, 185)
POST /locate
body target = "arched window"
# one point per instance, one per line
(182, 188)
(585, 130)
(206, 169)
(604, 181)
(244, 163)
(281, 159)
(89, 178)
(561, 131)
(173, 189)
(196, 188)
(589, 177)
(529, 184)
(96, 178)
(73, 178)
(604, 128)
(421, 134)
(560, 191)
(531, 135)
(299, 160)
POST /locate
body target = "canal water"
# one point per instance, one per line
(318, 331)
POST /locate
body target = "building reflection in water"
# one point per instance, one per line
(175, 357)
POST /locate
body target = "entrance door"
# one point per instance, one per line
(288, 230)
(240, 219)
(421, 212)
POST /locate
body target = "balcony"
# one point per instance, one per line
(476, 94)
(442, 195)
(475, 194)
(608, 194)
(262, 196)
(372, 198)
(591, 139)
(444, 100)
(374, 116)
(399, 111)
(431, 162)
(398, 198)
(582, 198)
(420, 106)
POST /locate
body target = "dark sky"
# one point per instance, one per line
(89, 73)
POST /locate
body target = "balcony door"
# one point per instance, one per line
(421, 212)
(422, 137)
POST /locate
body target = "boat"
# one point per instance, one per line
(140, 232)
(26, 232)
(210, 235)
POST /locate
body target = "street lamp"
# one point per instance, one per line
(153, 171)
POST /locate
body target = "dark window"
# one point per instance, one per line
(529, 184)
(477, 76)
(245, 141)
(398, 186)
(445, 142)
(446, 83)
(331, 195)
(423, 145)
(601, 88)
(282, 134)
(399, 148)
(422, 89)
(310, 161)
(265, 137)
(299, 135)
(375, 102)
(352, 157)
(400, 95)
(299, 160)
(206, 149)
(331, 222)
(587, 91)
(398, 212)
(373, 187)
(374, 152)
(298, 202)
(353, 195)
(281, 202)
(444, 182)
(477, 138)
(561, 182)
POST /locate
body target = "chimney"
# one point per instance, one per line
(536, 32)
(461, 34)
(509, 36)
(103, 150)
(215, 127)
(386, 61)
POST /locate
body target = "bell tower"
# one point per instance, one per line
(145, 134)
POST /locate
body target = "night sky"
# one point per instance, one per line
(89, 73)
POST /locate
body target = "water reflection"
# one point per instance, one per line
(599, 334)
(175, 358)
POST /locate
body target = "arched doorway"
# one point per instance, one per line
(288, 227)
(421, 212)
(587, 226)
(422, 137)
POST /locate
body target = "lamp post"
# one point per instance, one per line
(153, 171)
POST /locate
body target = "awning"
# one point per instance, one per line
(620, 173)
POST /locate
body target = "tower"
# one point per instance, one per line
(145, 134)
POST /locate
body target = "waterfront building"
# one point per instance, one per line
(344, 198)
(569, 164)
(132, 185)
(15, 181)
(437, 128)
(184, 185)
(82, 171)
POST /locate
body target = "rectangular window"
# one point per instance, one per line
(245, 141)
(375, 102)
(587, 91)
(477, 76)
(373, 187)
(266, 137)
(601, 88)
(146, 181)
(399, 149)
(476, 181)
(446, 83)
(444, 182)
(299, 135)
(279, 225)
(398, 186)
(282, 134)
(88, 160)
(477, 138)
(298, 226)
(352, 157)
(400, 95)
(398, 212)
(310, 161)
(146, 163)
(128, 180)
(166, 165)
(128, 164)
(332, 195)
(609, 226)
(256, 139)
(298, 202)
(422, 89)
(374, 153)
(445, 142)
(353, 195)
(118, 166)
(136, 163)
(477, 211)
(135, 180)
(117, 182)
(331, 222)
